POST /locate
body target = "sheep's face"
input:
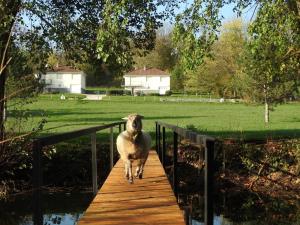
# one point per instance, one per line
(134, 123)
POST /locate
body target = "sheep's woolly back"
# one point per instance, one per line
(133, 147)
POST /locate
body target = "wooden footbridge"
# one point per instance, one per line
(150, 200)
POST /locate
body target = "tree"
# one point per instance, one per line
(73, 26)
(273, 59)
(162, 56)
(126, 26)
(221, 74)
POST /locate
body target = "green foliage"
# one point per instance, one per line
(126, 25)
(222, 74)
(162, 56)
(272, 60)
(195, 31)
(177, 78)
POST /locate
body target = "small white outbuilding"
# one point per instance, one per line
(64, 79)
(147, 80)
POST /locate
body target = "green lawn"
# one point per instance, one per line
(220, 119)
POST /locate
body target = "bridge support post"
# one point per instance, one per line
(37, 183)
(175, 150)
(111, 148)
(156, 135)
(94, 162)
(159, 142)
(163, 147)
(209, 187)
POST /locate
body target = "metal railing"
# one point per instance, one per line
(202, 140)
(40, 143)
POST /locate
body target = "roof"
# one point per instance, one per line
(64, 69)
(147, 72)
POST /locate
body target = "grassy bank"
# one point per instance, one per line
(219, 119)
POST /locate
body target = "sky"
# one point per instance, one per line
(228, 13)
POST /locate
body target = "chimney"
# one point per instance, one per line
(145, 68)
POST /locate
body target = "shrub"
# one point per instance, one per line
(168, 93)
(153, 94)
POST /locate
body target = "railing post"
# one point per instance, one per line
(209, 181)
(37, 183)
(156, 137)
(94, 162)
(111, 148)
(175, 150)
(124, 126)
(163, 146)
(159, 144)
(120, 128)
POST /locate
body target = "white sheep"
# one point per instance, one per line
(134, 144)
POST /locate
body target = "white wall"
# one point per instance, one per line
(74, 81)
(159, 84)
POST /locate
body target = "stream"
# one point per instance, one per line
(241, 208)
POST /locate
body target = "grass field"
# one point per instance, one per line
(220, 119)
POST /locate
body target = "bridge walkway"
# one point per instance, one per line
(147, 201)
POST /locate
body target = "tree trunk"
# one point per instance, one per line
(11, 9)
(267, 112)
(3, 76)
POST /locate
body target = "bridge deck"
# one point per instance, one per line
(147, 201)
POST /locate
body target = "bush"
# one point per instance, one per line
(168, 93)
(153, 94)
(127, 92)
(139, 93)
(115, 92)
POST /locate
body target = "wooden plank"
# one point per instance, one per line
(146, 201)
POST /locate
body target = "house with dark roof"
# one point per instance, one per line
(64, 79)
(147, 80)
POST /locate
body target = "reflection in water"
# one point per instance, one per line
(61, 218)
(243, 208)
(231, 208)
(59, 208)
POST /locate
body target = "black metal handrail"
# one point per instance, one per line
(207, 142)
(37, 148)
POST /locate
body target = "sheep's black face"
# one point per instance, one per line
(134, 123)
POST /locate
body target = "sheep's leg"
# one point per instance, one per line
(128, 173)
(138, 168)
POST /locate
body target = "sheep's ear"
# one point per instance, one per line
(125, 118)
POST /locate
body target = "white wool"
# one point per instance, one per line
(133, 144)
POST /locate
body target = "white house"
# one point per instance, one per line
(147, 80)
(64, 79)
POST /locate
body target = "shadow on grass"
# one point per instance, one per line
(111, 119)
(63, 112)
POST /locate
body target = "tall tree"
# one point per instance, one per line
(273, 60)
(8, 11)
(222, 73)
(162, 56)
(74, 25)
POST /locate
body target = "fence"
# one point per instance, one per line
(198, 139)
(38, 145)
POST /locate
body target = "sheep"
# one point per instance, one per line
(133, 144)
